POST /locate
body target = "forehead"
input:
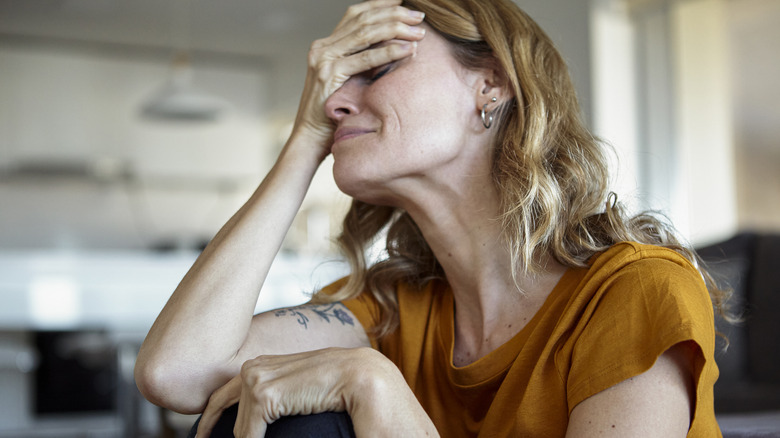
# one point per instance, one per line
(432, 41)
(435, 50)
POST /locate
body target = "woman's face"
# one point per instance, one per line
(409, 127)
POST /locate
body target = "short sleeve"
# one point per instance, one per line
(364, 307)
(639, 312)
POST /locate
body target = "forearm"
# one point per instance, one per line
(196, 343)
(189, 350)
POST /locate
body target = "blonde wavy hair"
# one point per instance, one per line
(549, 170)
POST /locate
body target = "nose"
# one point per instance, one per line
(343, 102)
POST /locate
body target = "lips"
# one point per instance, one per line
(347, 132)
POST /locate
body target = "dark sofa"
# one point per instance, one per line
(747, 394)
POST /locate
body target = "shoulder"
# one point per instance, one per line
(658, 282)
(624, 254)
(635, 302)
(634, 270)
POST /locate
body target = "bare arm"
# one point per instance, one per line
(657, 403)
(206, 330)
(191, 348)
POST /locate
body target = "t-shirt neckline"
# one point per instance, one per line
(493, 365)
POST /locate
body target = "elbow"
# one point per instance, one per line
(168, 388)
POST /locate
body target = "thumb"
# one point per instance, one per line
(221, 399)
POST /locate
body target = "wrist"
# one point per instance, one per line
(298, 158)
(369, 381)
(310, 141)
(380, 402)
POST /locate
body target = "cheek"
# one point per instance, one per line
(435, 124)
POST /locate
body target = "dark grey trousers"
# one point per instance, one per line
(325, 425)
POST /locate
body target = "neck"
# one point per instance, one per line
(491, 306)
(457, 207)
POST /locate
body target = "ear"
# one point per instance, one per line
(492, 84)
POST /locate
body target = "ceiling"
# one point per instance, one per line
(258, 28)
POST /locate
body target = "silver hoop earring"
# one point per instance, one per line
(487, 118)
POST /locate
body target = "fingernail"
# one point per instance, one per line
(417, 30)
(417, 14)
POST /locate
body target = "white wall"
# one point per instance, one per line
(663, 89)
(754, 29)
(81, 108)
(567, 22)
(615, 96)
(707, 208)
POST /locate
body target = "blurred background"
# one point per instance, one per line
(130, 131)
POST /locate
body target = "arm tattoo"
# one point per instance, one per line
(325, 312)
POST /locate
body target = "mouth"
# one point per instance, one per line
(346, 133)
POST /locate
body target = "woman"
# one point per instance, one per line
(507, 304)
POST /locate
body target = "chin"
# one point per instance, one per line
(362, 190)
(359, 192)
(349, 179)
(360, 181)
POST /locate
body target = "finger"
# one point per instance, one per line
(375, 26)
(342, 44)
(249, 421)
(379, 15)
(365, 28)
(263, 368)
(375, 57)
(269, 359)
(253, 410)
(358, 27)
(221, 399)
(336, 67)
(367, 6)
(208, 420)
(371, 35)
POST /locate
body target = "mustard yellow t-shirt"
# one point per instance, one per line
(598, 327)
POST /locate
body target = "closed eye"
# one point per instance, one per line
(379, 73)
(376, 73)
